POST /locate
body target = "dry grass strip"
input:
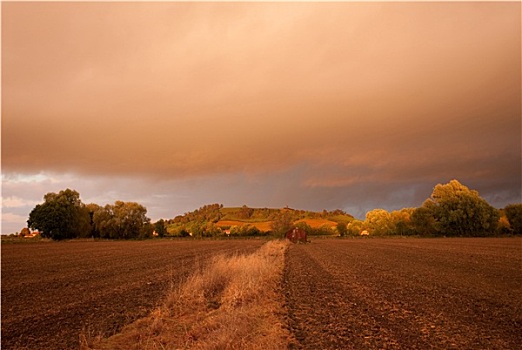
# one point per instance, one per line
(233, 303)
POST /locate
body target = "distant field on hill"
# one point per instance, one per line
(317, 223)
(262, 226)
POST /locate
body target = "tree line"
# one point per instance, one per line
(451, 210)
(63, 216)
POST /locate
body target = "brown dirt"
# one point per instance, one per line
(52, 292)
(405, 293)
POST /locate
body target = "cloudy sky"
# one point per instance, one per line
(316, 106)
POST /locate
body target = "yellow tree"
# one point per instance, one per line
(379, 222)
(402, 222)
(459, 211)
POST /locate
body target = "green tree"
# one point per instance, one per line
(245, 230)
(146, 230)
(423, 220)
(210, 229)
(61, 216)
(282, 223)
(160, 228)
(323, 230)
(245, 212)
(341, 228)
(93, 208)
(514, 215)
(303, 226)
(459, 211)
(123, 220)
(103, 219)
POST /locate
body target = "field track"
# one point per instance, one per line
(405, 293)
(53, 291)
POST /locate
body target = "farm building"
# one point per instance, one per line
(29, 234)
(296, 235)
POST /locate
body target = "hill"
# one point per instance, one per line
(214, 219)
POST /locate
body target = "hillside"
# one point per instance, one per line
(213, 219)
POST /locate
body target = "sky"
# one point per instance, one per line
(345, 105)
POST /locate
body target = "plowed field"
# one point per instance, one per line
(340, 294)
(405, 293)
(51, 292)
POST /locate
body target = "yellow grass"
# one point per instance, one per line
(233, 303)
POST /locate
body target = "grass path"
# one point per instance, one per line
(232, 303)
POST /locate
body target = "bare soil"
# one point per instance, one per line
(52, 292)
(405, 293)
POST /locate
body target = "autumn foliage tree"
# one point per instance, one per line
(402, 222)
(355, 227)
(455, 210)
(452, 210)
(378, 222)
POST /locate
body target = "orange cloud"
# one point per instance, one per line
(351, 91)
